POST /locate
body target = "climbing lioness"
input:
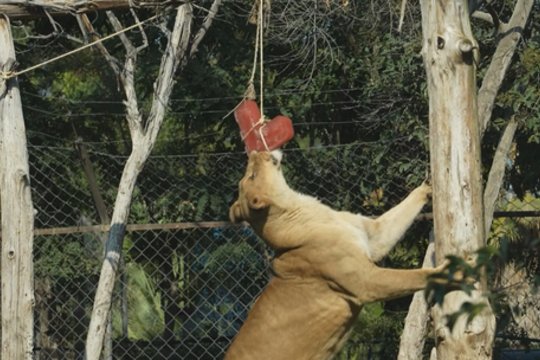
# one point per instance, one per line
(324, 265)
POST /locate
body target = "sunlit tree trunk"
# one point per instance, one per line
(509, 34)
(143, 138)
(182, 45)
(449, 52)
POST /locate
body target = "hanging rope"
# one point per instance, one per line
(260, 27)
(258, 59)
(250, 92)
(260, 43)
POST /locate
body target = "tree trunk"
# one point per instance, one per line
(143, 138)
(509, 36)
(17, 214)
(102, 301)
(416, 323)
(449, 52)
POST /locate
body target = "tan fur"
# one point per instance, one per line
(324, 265)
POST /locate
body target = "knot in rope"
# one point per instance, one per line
(6, 75)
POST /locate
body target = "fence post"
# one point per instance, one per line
(17, 213)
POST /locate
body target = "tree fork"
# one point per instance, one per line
(143, 137)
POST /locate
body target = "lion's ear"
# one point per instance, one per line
(257, 201)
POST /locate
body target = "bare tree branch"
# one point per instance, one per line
(490, 17)
(127, 77)
(448, 52)
(205, 26)
(82, 21)
(125, 74)
(484, 16)
(175, 51)
(144, 44)
(502, 58)
(496, 173)
(117, 26)
(402, 14)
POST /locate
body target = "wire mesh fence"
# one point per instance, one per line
(182, 294)
(188, 277)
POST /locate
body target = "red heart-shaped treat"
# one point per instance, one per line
(247, 115)
(275, 132)
(261, 136)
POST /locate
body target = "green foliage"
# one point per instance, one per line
(468, 309)
(519, 98)
(372, 333)
(76, 84)
(64, 260)
(512, 241)
(457, 275)
(460, 274)
(144, 306)
(239, 258)
(514, 235)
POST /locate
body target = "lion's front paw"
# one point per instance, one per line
(424, 191)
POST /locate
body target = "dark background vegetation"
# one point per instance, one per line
(355, 89)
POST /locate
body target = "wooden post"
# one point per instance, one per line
(449, 51)
(17, 214)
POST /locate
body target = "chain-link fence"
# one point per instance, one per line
(188, 277)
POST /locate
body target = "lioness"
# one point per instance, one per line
(324, 265)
